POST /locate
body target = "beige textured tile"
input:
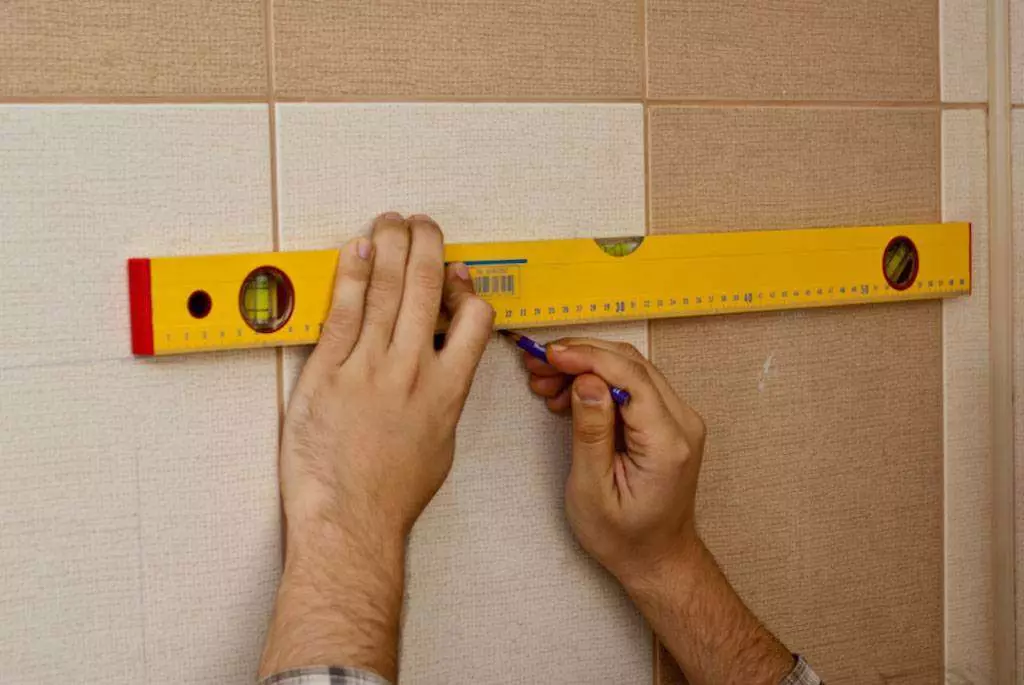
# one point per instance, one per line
(141, 531)
(140, 537)
(71, 596)
(793, 49)
(211, 530)
(968, 470)
(105, 48)
(485, 48)
(964, 47)
(1017, 50)
(86, 187)
(821, 493)
(498, 591)
(1018, 360)
(485, 172)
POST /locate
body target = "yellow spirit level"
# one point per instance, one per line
(190, 304)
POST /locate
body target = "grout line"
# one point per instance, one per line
(647, 102)
(268, 12)
(648, 347)
(980, 106)
(275, 201)
(644, 51)
(134, 100)
(940, 77)
(944, 372)
(144, 628)
(646, 121)
(647, 170)
(800, 104)
(426, 99)
(1001, 345)
(268, 15)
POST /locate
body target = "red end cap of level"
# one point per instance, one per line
(140, 301)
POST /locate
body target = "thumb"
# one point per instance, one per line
(593, 428)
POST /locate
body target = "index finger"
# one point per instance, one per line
(472, 322)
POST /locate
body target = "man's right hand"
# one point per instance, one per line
(630, 502)
(630, 493)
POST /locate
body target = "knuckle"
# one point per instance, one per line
(591, 434)
(339, 325)
(636, 369)
(427, 275)
(425, 225)
(388, 280)
(389, 220)
(480, 309)
(377, 309)
(629, 350)
(355, 269)
(700, 426)
(392, 235)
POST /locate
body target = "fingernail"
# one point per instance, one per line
(588, 394)
(462, 271)
(363, 248)
(555, 347)
(393, 216)
(422, 217)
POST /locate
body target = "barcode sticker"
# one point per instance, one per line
(496, 281)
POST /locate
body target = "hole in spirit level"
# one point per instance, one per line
(266, 299)
(900, 263)
(199, 304)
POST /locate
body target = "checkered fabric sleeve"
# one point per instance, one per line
(801, 674)
(322, 675)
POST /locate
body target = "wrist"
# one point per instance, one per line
(673, 566)
(331, 543)
(338, 603)
(326, 527)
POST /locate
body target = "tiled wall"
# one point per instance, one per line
(847, 488)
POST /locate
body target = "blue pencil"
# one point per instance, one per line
(535, 349)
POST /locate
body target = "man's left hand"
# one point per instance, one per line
(368, 439)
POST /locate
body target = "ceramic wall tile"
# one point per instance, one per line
(964, 39)
(793, 50)
(1018, 360)
(493, 552)
(968, 473)
(87, 187)
(833, 534)
(141, 536)
(485, 49)
(111, 49)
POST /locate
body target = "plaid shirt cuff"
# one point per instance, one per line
(319, 675)
(801, 674)
(322, 675)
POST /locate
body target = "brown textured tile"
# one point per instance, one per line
(821, 493)
(485, 48)
(793, 49)
(112, 48)
(722, 167)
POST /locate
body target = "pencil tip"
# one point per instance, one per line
(508, 334)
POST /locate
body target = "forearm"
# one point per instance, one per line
(338, 604)
(705, 625)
